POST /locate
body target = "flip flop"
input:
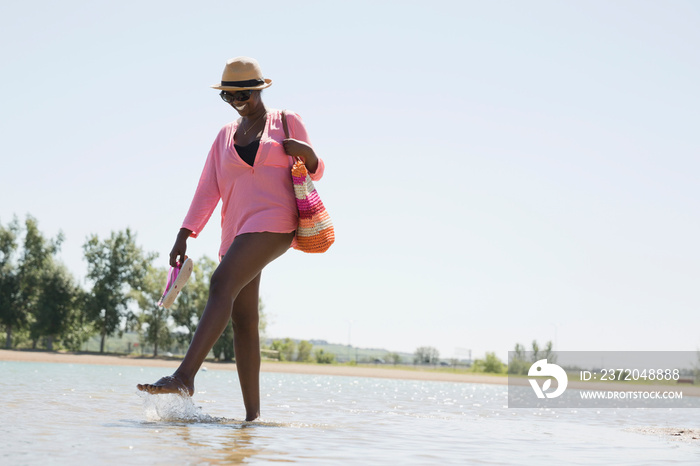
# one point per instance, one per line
(177, 277)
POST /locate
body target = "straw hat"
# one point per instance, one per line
(242, 73)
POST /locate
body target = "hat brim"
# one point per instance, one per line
(268, 83)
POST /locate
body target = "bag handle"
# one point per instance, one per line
(284, 124)
(286, 131)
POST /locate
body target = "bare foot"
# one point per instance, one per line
(168, 384)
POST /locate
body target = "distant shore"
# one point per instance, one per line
(379, 371)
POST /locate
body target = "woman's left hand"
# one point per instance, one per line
(297, 148)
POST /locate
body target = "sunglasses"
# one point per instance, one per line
(240, 96)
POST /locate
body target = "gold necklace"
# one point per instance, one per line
(245, 131)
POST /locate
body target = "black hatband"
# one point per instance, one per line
(248, 83)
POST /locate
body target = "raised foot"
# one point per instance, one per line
(168, 384)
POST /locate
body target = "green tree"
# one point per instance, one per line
(21, 281)
(304, 351)
(57, 306)
(426, 355)
(11, 316)
(519, 363)
(286, 347)
(37, 262)
(153, 317)
(78, 328)
(324, 358)
(519, 351)
(116, 266)
(37, 255)
(493, 364)
(547, 353)
(535, 351)
(38, 294)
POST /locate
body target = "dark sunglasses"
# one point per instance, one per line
(240, 96)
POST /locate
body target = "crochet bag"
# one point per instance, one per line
(315, 231)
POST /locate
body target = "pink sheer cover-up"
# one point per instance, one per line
(255, 198)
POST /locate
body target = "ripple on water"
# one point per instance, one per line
(90, 414)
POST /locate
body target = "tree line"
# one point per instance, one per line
(519, 362)
(42, 305)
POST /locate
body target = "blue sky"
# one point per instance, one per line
(497, 172)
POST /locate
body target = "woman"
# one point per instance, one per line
(248, 168)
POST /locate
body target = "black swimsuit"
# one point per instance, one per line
(247, 153)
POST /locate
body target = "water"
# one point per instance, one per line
(75, 414)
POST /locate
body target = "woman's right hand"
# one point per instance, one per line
(180, 247)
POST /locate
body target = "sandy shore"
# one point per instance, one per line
(295, 368)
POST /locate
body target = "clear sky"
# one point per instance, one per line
(497, 172)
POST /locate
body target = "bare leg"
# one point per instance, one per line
(243, 262)
(246, 341)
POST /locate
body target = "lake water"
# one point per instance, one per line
(78, 414)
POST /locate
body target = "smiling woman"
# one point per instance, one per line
(249, 170)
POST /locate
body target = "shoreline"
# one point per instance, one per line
(267, 366)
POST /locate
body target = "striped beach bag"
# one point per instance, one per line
(315, 231)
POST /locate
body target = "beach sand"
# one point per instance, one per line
(387, 372)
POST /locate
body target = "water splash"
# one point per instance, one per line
(173, 407)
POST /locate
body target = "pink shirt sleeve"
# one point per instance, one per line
(207, 195)
(298, 131)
